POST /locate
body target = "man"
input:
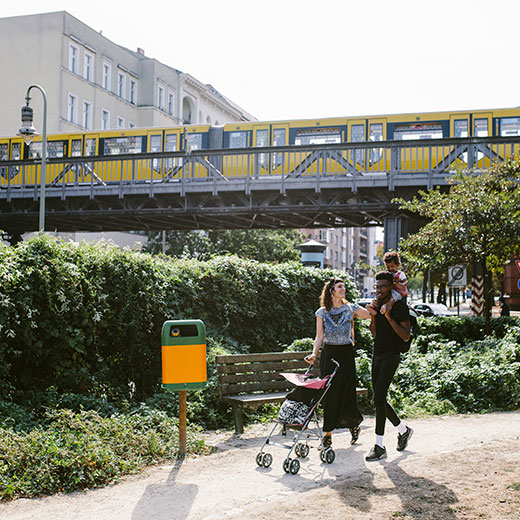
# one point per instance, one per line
(390, 331)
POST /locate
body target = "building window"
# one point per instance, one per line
(87, 115)
(170, 103)
(105, 119)
(121, 84)
(73, 108)
(133, 92)
(73, 58)
(107, 72)
(120, 122)
(131, 125)
(160, 98)
(88, 67)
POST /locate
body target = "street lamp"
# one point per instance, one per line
(28, 132)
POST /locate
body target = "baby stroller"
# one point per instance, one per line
(298, 412)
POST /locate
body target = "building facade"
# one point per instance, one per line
(94, 84)
(352, 250)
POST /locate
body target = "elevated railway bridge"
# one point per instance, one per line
(325, 185)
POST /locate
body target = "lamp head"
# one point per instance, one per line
(27, 131)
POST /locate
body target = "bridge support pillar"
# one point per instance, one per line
(397, 227)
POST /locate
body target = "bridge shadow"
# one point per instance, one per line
(167, 501)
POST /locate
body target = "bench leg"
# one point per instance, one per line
(237, 414)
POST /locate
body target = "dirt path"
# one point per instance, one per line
(456, 467)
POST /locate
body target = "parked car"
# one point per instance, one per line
(433, 309)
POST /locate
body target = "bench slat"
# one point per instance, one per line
(264, 356)
(256, 387)
(284, 366)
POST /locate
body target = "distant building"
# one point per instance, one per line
(352, 250)
(93, 83)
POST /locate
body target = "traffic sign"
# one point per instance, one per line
(457, 276)
(517, 264)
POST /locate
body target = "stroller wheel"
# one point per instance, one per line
(330, 456)
(304, 450)
(294, 466)
(286, 465)
(297, 450)
(259, 458)
(267, 459)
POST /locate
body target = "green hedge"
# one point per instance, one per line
(86, 319)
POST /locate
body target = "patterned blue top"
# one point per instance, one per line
(337, 323)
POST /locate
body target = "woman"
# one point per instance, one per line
(334, 320)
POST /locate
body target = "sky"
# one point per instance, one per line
(297, 59)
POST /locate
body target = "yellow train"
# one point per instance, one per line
(249, 135)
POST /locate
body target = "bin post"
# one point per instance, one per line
(183, 399)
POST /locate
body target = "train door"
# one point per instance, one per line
(261, 140)
(155, 169)
(69, 172)
(357, 134)
(376, 156)
(459, 127)
(172, 143)
(279, 137)
(482, 127)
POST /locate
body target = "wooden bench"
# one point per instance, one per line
(250, 380)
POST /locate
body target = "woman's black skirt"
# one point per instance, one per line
(340, 408)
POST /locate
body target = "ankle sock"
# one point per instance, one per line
(401, 428)
(379, 441)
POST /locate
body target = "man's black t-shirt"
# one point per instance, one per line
(386, 339)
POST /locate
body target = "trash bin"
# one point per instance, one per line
(183, 355)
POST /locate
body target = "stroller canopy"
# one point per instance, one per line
(306, 380)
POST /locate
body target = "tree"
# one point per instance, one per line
(477, 220)
(257, 244)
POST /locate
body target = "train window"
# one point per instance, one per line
(279, 137)
(460, 128)
(4, 151)
(75, 148)
(237, 139)
(376, 132)
(480, 128)
(262, 138)
(155, 143)
(317, 136)
(194, 142)
(122, 145)
(90, 146)
(418, 131)
(170, 143)
(54, 149)
(16, 151)
(509, 126)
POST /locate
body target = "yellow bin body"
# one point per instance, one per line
(183, 355)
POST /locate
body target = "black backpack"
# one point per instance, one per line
(414, 331)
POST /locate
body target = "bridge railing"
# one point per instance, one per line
(257, 165)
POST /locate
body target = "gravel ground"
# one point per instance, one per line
(465, 466)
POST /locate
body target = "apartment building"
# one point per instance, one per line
(352, 250)
(93, 83)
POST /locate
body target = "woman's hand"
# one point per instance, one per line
(310, 359)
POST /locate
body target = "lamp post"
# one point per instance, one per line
(28, 132)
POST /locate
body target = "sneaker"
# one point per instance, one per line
(354, 434)
(376, 453)
(402, 440)
(326, 442)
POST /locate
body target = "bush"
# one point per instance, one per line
(77, 451)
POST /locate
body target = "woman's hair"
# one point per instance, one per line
(326, 293)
